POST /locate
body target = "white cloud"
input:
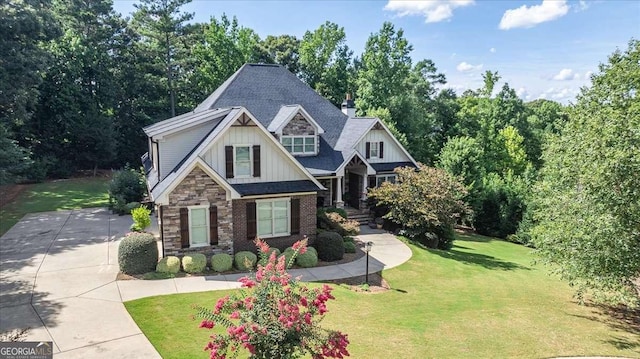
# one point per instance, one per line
(523, 93)
(492, 50)
(563, 94)
(587, 75)
(582, 5)
(529, 16)
(432, 10)
(566, 74)
(466, 67)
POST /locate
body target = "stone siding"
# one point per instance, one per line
(298, 126)
(197, 189)
(307, 225)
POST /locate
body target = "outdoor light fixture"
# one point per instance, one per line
(367, 249)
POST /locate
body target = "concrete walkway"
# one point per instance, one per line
(57, 277)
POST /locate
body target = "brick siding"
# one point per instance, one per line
(307, 225)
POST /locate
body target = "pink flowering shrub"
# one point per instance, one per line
(275, 316)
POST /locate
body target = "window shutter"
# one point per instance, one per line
(381, 150)
(228, 157)
(295, 216)
(367, 150)
(256, 161)
(252, 230)
(372, 181)
(184, 227)
(213, 224)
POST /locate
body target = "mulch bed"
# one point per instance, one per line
(377, 284)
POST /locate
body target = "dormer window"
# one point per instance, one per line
(300, 145)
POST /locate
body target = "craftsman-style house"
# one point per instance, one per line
(257, 158)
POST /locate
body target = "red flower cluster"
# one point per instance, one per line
(279, 318)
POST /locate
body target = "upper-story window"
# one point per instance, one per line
(242, 161)
(374, 149)
(300, 145)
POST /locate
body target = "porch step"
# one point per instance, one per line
(362, 218)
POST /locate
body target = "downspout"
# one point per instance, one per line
(161, 222)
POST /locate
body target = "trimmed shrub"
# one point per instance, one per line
(349, 247)
(168, 264)
(194, 262)
(127, 185)
(265, 259)
(335, 222)
(330, 246)
(348, 239)
(221, 262)
(339, 211)
(138, 253)
(240, 260)
(307, 259)
(141, 218)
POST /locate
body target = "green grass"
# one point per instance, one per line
(482, 299)
(55, 196)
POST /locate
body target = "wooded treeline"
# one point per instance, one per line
(78, 82)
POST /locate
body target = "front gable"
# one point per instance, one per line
(378, 145)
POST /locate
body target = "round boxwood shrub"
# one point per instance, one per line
(330, 246)
(168, 264)
(265, 258)
(349, 247)
(221, 262)
(240, 257)
(138, 253)
(194, 263)
(307, 259)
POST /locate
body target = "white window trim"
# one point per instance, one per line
(274, 235)
(235, 165)
(208, 225)
(315, 144)
(377, 144)
(386, 178)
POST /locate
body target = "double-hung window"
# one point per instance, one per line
(273, 217)
(385, 178)
(242, 161)
(199, 225)
(300, 145)
(374, 150)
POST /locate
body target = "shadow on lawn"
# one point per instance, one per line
(620, 318)
(482, 260)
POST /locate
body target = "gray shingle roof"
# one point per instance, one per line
(388, 167)
(250, 189)
(264, 89)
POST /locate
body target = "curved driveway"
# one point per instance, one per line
(57, 277)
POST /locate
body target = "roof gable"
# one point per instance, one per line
(286, 114)
(183, 122)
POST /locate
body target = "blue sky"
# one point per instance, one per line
(543, 49)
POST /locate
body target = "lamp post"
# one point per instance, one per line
(367, 249)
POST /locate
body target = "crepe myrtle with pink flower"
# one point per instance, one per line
(274, 316)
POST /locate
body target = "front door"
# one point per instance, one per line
(355, 182)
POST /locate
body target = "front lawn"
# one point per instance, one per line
(482, 299)
(54, 196)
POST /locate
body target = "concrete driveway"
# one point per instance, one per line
(57, 277)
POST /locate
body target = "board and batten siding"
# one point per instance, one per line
(392, 152)
(274, 164)
(175, 147)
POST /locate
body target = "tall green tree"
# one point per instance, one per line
(73, 124)
(587, 204)
(283, 50)
(225, 47)
(164, 30)
(325, 60)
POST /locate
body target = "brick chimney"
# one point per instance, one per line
(349, 107)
